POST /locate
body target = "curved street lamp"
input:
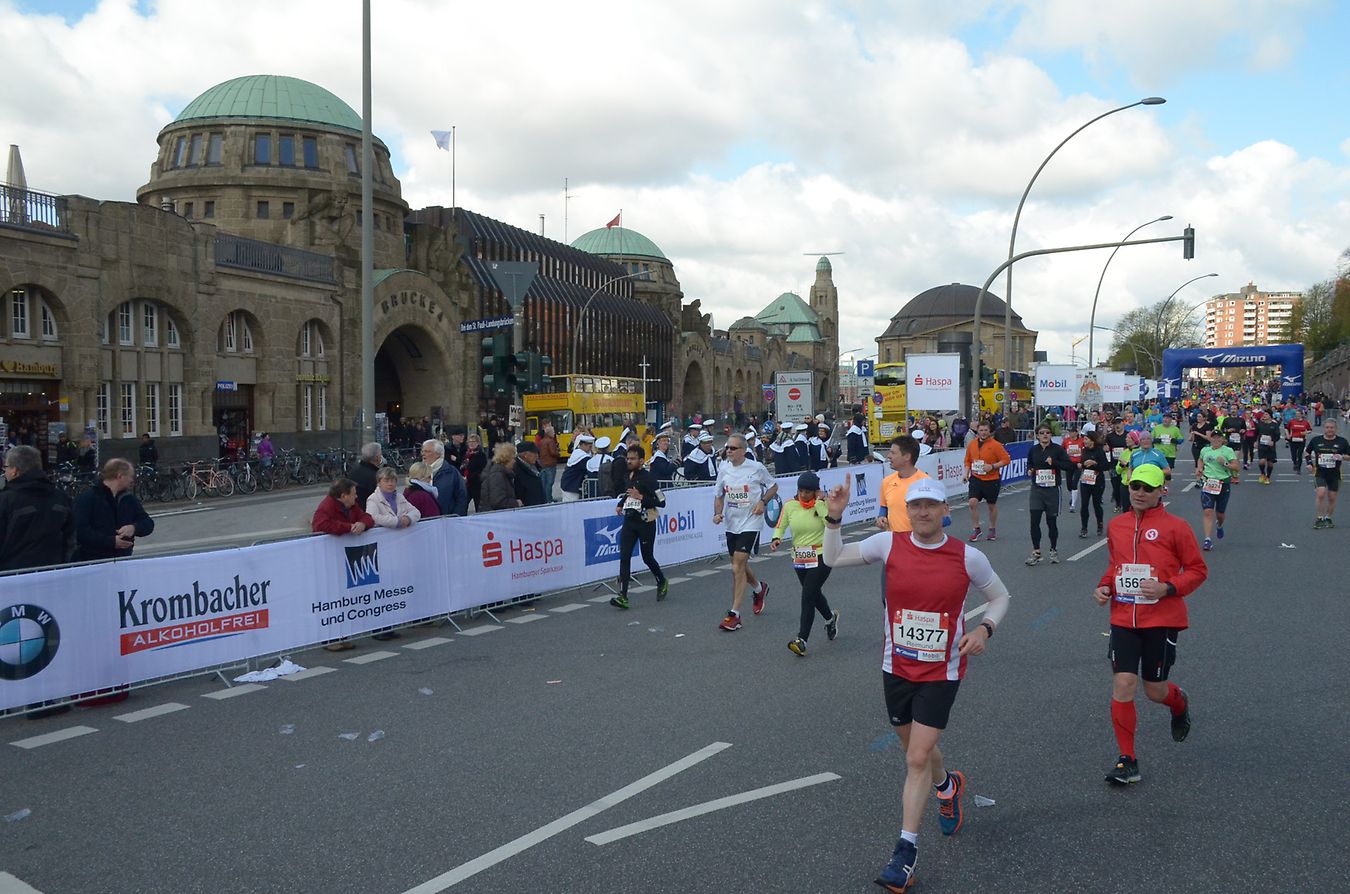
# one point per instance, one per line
(1012, 240)
(1162, 309)
(581, 317)
(1097, 294)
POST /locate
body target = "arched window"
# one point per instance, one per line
(311, 339)
(30, 314)
(236, 334)
(142, 323)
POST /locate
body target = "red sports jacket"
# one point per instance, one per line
(1168, 544)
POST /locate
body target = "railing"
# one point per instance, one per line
(32, 210)
(240, 253)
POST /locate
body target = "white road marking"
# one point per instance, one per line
(1078, 555)
(245, 689)
(562, 824)
(11, 885)
(726, 567)
(564, 609)
(525, 619)
(170, 512)
(308, 673)
(479, 631)
(71, 732)
(704, 573)
(646, 589)
(759, 558)
(369, 657)
(676, 580)
(599, 599)
(676, 816)
(164, 545)
(977, 610)
(1189, 487)
(147, 713)
(428, 643)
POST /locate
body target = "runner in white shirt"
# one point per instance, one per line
(743, 490)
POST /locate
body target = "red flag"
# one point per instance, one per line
(617, 221)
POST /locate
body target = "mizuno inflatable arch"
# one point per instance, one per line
(1288, 357)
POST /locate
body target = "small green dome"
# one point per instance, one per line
(272, 96)
(823, 265)
(618, 241)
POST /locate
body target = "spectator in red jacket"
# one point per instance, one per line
(339, 514)
(420, 491)
(1155, 562)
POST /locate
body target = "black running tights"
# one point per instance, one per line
(1091, 493)
(813, 599)
(642, 532)
(1051, 524)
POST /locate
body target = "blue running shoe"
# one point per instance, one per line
(1207, 545)
(949, 809)
(898, 876)
(1219, 531)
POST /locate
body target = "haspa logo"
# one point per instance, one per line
(29, 637)
(1052, 384)
(518, 550)
(932, 381)
(363, 565)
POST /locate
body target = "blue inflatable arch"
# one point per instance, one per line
(1288, 357)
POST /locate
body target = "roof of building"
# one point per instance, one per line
(385, 272)
(823, 265)
(788, 308)
(746, 323)
(944, 306)
(272, 96)
(804, 332)
(618, 241)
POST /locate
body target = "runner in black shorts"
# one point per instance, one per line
(1325, 454)
(1267, 438)
(747, 542)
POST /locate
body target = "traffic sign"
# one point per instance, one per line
(878, 398)
(866, 369)
(769, 392)
(485, 325)
(794, 394)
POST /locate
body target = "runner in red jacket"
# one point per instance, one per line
(1155, 561)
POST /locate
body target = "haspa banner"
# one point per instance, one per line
(934, 381)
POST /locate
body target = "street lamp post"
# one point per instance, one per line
(581, 317)
(1012, 240)
(1157, 323)
(1133, 348)
(1093, 318)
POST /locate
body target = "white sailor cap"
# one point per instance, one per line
(668, 424)
(824, 425)
(751, 435)
(586, 439)
(917, 435)
(704, 438)
(694, 425)
(800, 426)
(602, 443)
(820, 417)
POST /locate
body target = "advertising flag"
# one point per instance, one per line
(934, 381)
(1056, 384)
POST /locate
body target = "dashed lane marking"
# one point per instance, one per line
(480, 630)
(368, 658)
(147, 713)
(525, 619)
(1078, 555)
(677, 580)
(243, 689)
(704, 573)
(644, 589)
(676, 816)
(1189, 487)
(428, 643)
(599, 599)
(61, 735)
(564, 609)
(562, 824)
(308, 673)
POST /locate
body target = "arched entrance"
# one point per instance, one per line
(412, 374)
(694, 394)
(1175, 361)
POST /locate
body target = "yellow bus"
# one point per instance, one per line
(994, 398)
(886, 417)
(603, 404)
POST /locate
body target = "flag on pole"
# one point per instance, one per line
(616, 222)
(442, 138)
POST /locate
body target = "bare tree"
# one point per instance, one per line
(1145, 332)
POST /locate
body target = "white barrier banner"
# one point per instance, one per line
(934, 381)
(1056, 385)
(1119, 388)
(77, 630)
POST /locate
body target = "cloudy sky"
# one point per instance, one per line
(743, 137)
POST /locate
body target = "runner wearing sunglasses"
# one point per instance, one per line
(1154, 562)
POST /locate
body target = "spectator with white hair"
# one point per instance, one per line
(452, 495)
(364, 471)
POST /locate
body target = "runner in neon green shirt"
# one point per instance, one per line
(1166, 437)
(804, 517)
(1216, 471)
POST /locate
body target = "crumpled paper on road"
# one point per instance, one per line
(284, 669)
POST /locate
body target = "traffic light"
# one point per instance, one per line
(537, 375)
(517, 369)
(1188, 243)
(496, 364)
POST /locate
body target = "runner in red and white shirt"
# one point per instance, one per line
(924, 585)
(1073, 444)
(1297, 429)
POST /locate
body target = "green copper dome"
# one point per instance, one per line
(823, 265)
(618, 241)
(272, 96)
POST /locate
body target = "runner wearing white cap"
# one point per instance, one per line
(927, 575)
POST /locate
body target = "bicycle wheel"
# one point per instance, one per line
(309, 473)
(193, 487)
(266, 478)
(223, 483)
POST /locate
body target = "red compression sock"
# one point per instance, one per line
(1123, 719)
(1175, 700)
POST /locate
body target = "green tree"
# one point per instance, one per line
(1314, 322)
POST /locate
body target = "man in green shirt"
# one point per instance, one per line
(1216, 471)
(1166, 437)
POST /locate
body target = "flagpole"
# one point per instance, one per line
(452, 172)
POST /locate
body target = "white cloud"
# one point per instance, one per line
(739, 136)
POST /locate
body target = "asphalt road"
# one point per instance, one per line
(547, 732)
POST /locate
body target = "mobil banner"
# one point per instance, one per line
(77, 630)
(934, 381)
(1056, 384)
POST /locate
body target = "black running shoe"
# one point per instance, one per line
(1125, 772)
(662, 589)
(832, 626)
(1181, 723)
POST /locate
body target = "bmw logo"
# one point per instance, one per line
(29, 637)
(774, 511)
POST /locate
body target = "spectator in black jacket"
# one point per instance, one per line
(364, 472)
(37, 521)
(452, 495)
(66, 450)
(108, 517)
(149, 453)
(529, 476)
